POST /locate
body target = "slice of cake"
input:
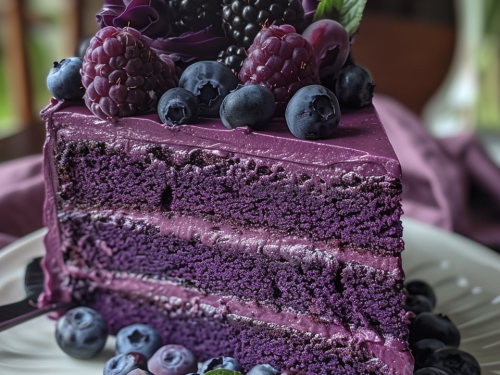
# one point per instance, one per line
(251, 244)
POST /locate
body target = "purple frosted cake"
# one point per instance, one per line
(251, 244)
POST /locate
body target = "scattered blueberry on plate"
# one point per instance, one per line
(431, 326)
(123, 364)
(81, 333)
(453, 361)
(173, 360)
(138, 338)
(420, 287)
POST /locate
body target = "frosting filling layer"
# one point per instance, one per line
(297, 276)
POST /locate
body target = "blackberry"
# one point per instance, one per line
(195, 15)
(243, 19)
(233, 57)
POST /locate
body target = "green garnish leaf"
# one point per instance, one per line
(329, 9)
(347, 12)
(223, 371)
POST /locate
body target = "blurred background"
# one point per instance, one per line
(440, 58)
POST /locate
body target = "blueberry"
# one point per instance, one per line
(138, 338)
(210, 81)
(172, 360)
(64, 80)
(227, 363)
(139, 371)
(313, 113)
(417, 304)
(429, 371)
(264, 369)
(354, 87)
(421, 287)
(81, 333)
(250, 105)
(123, 364)
(422, 349)
(178, 106)
(431, 326)
(453, 361)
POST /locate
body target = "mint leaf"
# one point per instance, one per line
(222, 371)
(328, 9)
(351, 13)
(347, 12)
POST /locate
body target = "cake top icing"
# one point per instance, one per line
(361, 138)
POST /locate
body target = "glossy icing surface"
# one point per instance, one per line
(360, 138)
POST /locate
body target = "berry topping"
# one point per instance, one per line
(233, 57)
(422, 349)
(251, 105)
(283, 61)
(195, 15)
(430, 371)
(64, 81)
(453, 361)
(421, 287)
(227, 363)
(178, 106)
(138, 338)
(123, 364)
(354, 87)
(330, 42)
(313, 113)
(172, 360)
(242, 20)
(123, 76)
(431, 326)
(264, 369)
(210, 81)
(81, 333)
(417, 304)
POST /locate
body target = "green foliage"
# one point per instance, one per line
(223, 372)
(347, 12)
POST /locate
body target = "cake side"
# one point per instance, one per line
(95, 233)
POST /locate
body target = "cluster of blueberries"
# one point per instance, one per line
(82, 333)
(434, 339)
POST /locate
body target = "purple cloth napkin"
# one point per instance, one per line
(21, 198)
(450, 183)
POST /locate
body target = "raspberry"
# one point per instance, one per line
(122, 75)
(283, 61)
(243, 19)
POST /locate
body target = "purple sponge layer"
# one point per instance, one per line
(210, 334)
(237, 190)
(354, 294)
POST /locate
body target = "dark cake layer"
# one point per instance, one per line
(283, 273)
(208, 333)
(340, 206)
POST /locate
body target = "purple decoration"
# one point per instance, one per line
(310, 7)
(202, 45)
(152, 18)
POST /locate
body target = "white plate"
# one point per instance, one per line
(464, 274)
